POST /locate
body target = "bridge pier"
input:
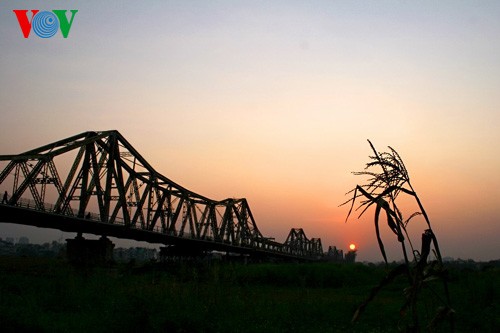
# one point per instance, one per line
(89, 251)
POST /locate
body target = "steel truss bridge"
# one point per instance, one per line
(110, 189)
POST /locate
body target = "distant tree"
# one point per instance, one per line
(388, 178)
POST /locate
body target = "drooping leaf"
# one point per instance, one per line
(377, 231)
(390, 221)
(352, 205)
(436, 245)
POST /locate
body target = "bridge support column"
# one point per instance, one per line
(89, 251)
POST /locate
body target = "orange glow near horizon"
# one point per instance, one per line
(273, 102)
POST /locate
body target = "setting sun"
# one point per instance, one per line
(352, 247)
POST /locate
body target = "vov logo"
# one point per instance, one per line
(45, 24)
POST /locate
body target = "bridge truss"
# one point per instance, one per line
(110, 189)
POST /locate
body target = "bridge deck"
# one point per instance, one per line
(40, 219)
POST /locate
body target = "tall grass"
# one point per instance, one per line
(388, 179)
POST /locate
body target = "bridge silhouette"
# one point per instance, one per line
(109, 189)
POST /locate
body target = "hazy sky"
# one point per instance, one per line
(274, 101)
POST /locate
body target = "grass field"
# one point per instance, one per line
(48, 295)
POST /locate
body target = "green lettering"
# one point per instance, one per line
(63, 20)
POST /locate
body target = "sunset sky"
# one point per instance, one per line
(274, 101)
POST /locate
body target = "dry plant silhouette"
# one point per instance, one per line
(388, 178)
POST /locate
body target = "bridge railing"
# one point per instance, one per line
(263, 244)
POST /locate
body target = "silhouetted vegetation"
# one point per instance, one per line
(424, 298)
(48, 295)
